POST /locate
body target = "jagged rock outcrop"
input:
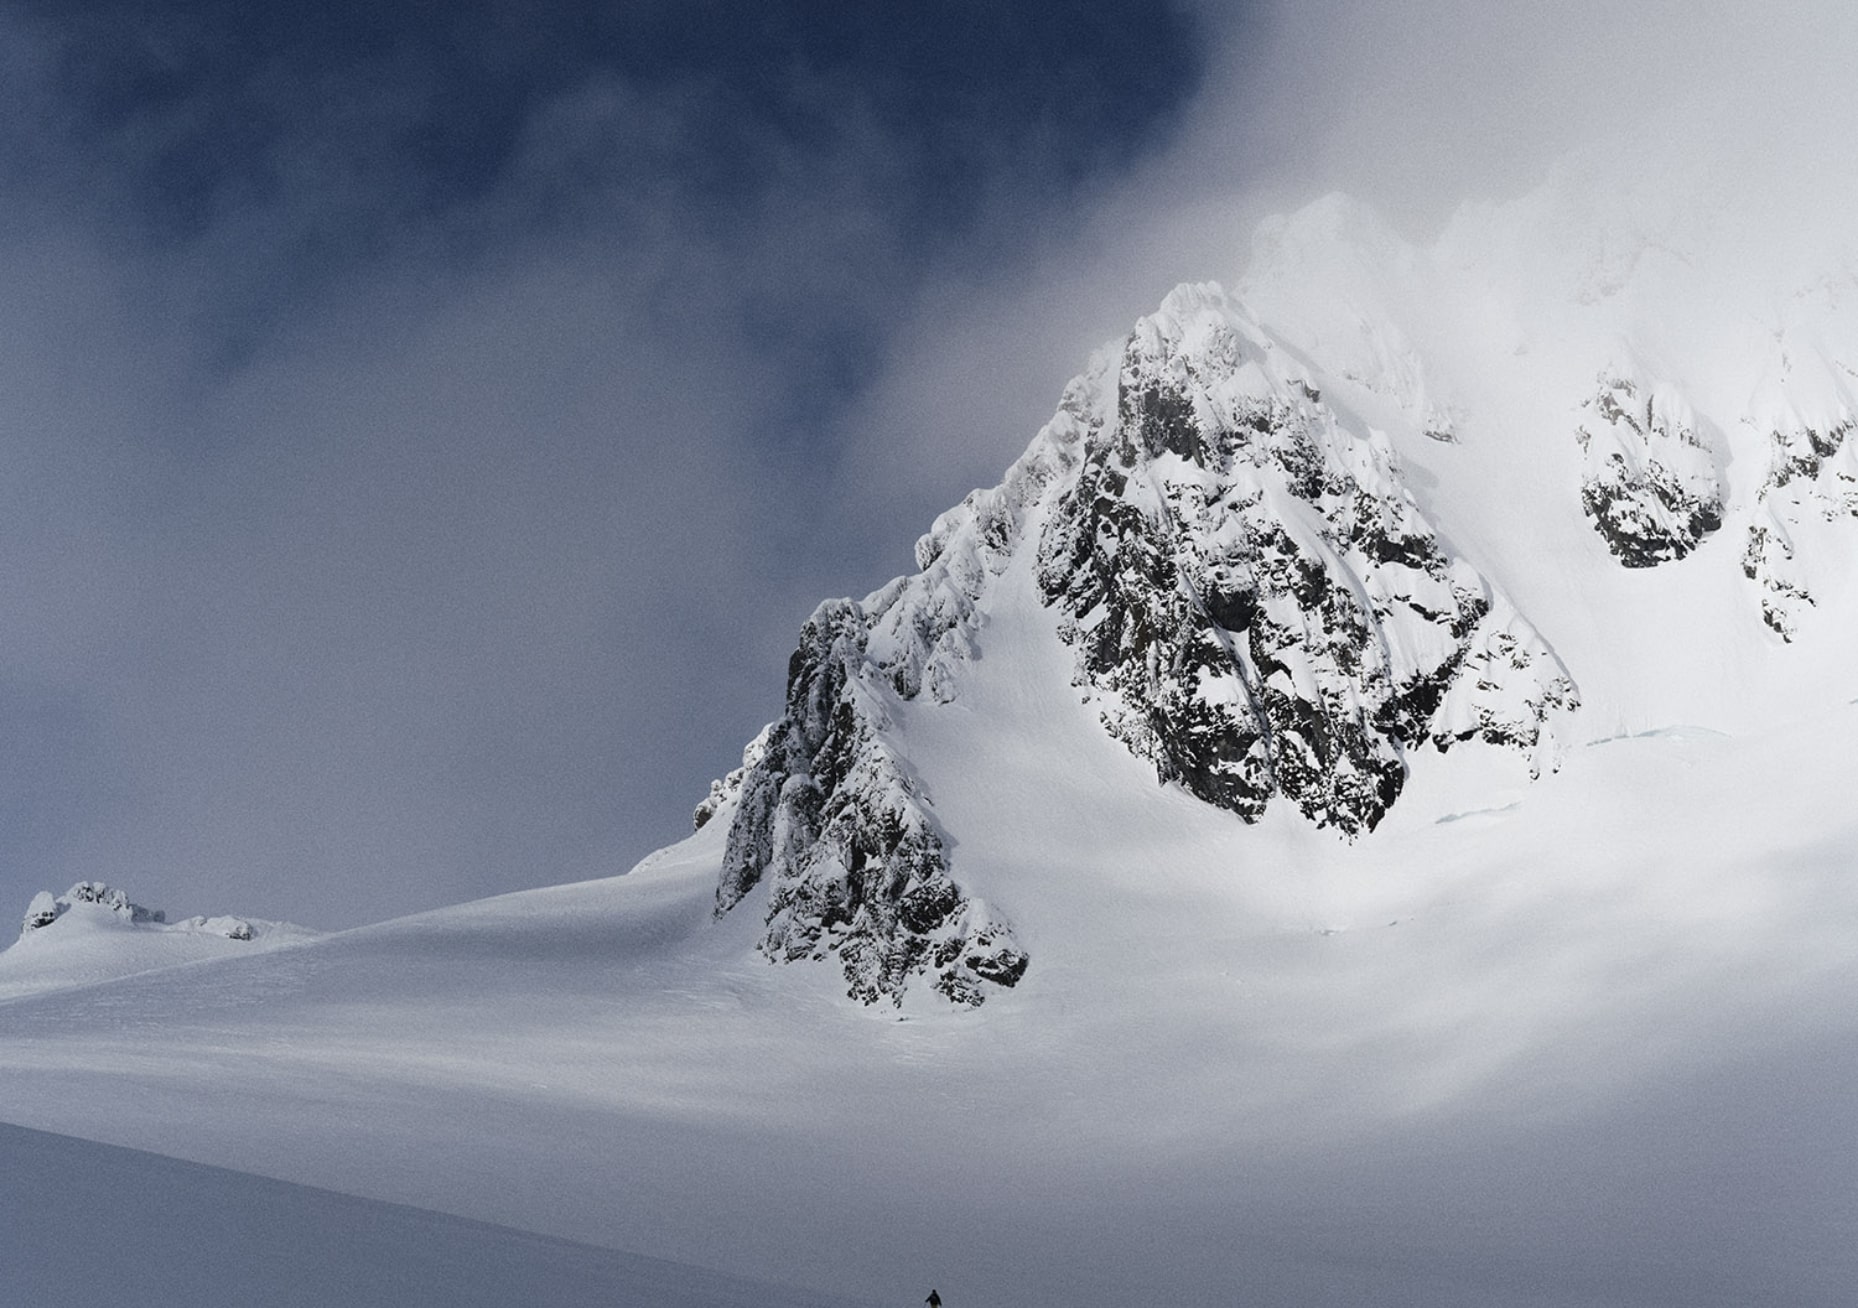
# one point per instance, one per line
(827, 813)
(1256, 606)
(1256, 603)
(1650, 484)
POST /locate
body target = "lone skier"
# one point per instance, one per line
(934, 1300)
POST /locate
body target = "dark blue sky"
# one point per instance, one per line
(301, 144)
(425, 426)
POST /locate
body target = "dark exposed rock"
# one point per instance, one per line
(834, 821)
(1265, 612)
(42, 911)
(1650, 486)
(825, 812)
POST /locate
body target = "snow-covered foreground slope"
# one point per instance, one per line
(1583, 1042)
(94, 1226)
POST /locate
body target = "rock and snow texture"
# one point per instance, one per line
(1651, 484)
(1379, 501)
(1632, 350)
(47, 908)
(1806, 504)
(827, 812)
(825, 807)
(1256, 606)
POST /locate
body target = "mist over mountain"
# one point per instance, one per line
(1357, 814)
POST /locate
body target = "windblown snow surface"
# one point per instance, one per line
(1588, 1039)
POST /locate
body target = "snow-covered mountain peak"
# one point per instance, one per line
(1253, 602)
(1378, 501)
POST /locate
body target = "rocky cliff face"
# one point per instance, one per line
(827, 812)
(1650, 486)
(1255, 604)
(826, 809)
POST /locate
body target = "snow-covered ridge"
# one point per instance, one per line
(46, 908)
(826, 809)
(94, 932)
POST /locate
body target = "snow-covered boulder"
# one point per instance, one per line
(46, 908)
(42, 911)
(108, 900)
(116, 901)
(232, 928)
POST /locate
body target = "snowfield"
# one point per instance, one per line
(1582, 1041)
(1588, 1042)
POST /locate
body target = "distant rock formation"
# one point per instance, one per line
(46, 909)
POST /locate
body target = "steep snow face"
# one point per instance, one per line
(1255, 605)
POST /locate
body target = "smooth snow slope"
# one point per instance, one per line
(1587, 1041)
(94, 1226)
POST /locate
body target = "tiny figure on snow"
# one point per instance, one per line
(934, 1300)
